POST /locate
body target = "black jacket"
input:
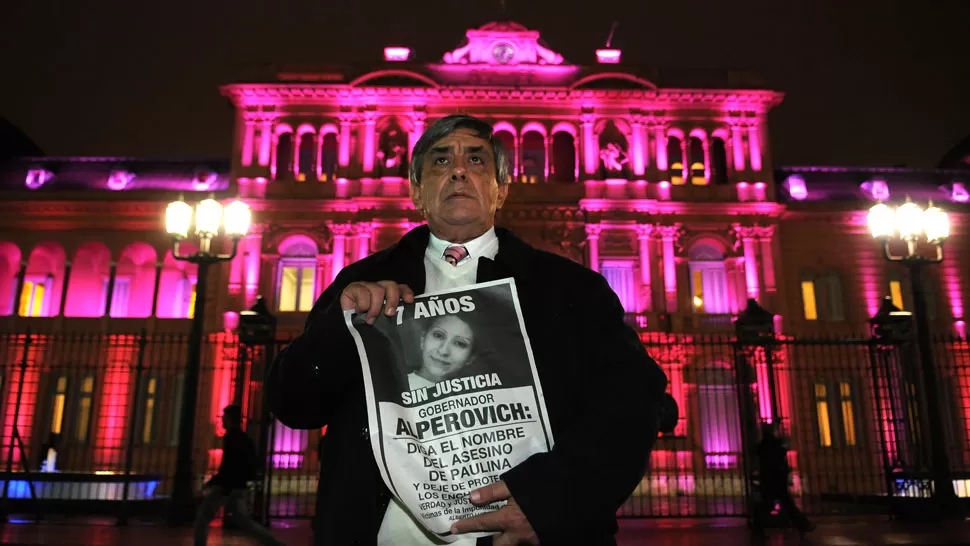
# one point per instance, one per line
(238, 464)
(603, 393)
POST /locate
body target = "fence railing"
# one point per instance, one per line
(850, 409)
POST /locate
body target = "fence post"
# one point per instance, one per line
(16, 441)
(257, 327)
(754, 328)
(132, 424)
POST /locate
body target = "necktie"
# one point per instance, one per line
(454, 254)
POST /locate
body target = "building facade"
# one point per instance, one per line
(668, 191)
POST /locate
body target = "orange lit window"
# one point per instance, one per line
(896, 293)
(848, 414)
(822, 414)
(84, 402)
(58, 404)
(808, 300)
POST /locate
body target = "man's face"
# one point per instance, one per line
(458, 189)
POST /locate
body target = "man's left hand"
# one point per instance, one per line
(513, 527)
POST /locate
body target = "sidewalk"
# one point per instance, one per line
(653, 532)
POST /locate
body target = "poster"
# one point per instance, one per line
(453, 398)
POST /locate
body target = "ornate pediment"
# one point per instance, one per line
(503, 44)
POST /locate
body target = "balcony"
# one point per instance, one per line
(681, 323)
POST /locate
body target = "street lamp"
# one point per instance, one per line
(916, 227)
(209, 215)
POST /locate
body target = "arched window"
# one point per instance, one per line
(296, 278)
(563, 157)
(508, 142)
(695, 149)
(675, 157)
(307, 145)
(708, 279)
(533, 158)
(284, 156)
(718, 152)
(328, 158)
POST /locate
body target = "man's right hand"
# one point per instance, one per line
(373, 297)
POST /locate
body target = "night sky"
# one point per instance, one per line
(867, 82)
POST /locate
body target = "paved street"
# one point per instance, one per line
(680, 532)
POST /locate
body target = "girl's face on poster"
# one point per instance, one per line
(445, 348)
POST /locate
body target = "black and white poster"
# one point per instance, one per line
(453, 398)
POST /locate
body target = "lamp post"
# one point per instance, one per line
(911, 226)
(209, 216)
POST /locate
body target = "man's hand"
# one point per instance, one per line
(514, 528)
(372, 297)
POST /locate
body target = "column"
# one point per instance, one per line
(675, 374)
(737, 147)
(668, 237)
(748, 238)
(265, 142)
(339, 252)
(707, 159)
(644, 232)
(252, 251)
(236, 266)
(158, 284)
(109, 297)
(765, 234)
(639, 149)
(370, 121)
(593, 245)
(685, 158)
(660, 136)
(343, 154)
(67, 281)
(297, 139)
(318, 277)
(249, 134)
(590, 149)
(19, 290)
(364, 231)
(318, 154)
(754, 146)
(417, 122)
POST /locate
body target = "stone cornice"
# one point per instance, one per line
(244, 95)
(683, 208)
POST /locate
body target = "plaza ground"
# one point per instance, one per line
(653, 532)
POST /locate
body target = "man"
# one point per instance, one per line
(773, 472)
(228, 486)
(602, 391)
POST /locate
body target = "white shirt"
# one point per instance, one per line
(398, 527)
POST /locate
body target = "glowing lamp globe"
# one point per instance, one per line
(881, 221)
(237, 217)
(909, 220)
(178, 217)
(936, 224)
(208, 216)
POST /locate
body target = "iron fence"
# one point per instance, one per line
(90, 423)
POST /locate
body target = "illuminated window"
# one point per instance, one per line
(708, 279)
(896, 293)
(822, 414)
(296, 285)
(306, 166)
(328, 158)
(698, 176)
(840, 417)
(718, 161)
(675, 158)
(848, 413)
(808, 299)
(296, 277)
(85, 399)
(176, 410)
(619, 275)
(183, 300)
(58, 404)
(149, 410)
(119, 298)
(35, 297)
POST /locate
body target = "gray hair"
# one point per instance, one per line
(448, 125)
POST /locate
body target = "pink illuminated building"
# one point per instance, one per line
(669, 192)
